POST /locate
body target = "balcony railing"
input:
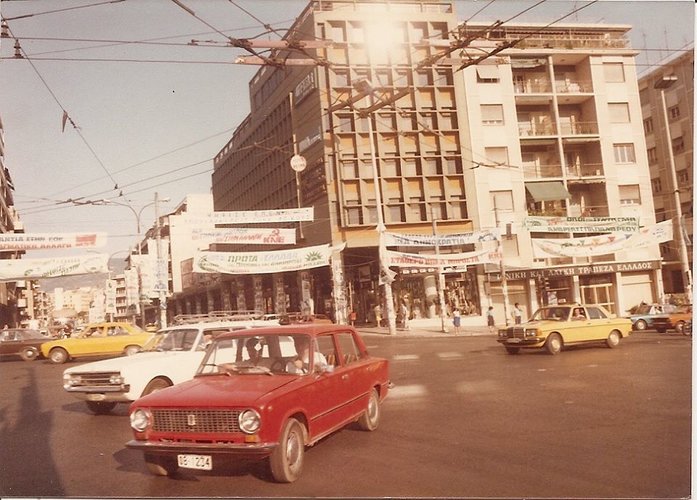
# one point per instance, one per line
(579, 128)
(575, 87)
(541, 171)
(535, 129)
(585, 170)
(532, 87)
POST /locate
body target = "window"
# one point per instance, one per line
(629, 195)
(345, 123)
(648, 126)
(656, 186)
(624, 153)
(619, 112)
(348, 348)
(353, 215)
(614, 72)
(674, 112)
(652, 154)
(502, 203)
(678, 145)
(683, 176)
(487, 73)
(492, 114)
(496, 155)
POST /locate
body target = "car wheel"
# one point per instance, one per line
(58, 355)
(554, 343)
(131, 350)
(155, 385)
(160, 466)
(370, 418)
(613, 340)
(287, 458)
(680, 327)
(29, 353)
(640, 324)
(100, 407)
(512, 350)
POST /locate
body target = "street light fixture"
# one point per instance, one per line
(662, 84)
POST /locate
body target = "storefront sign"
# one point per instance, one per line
(605, 268)
(263, 262)
(451, 260)
(243, 235)
(19, 269)
(252, 216)
(441, 240)
(603, 244)
(41, 241)
(582, 224)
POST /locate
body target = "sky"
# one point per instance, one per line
(149, 117)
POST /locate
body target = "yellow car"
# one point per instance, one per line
(97, 339)
(554, 327)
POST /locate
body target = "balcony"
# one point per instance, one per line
(578, 128)
(573, 87)
(578, 171)
(541, 171)
(531, 86)
(536, 129)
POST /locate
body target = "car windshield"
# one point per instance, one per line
(551, 314)
(255, 354)
(172, 340)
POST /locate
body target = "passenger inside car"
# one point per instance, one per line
(301, 363)
(578, 314)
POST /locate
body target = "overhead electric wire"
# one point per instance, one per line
(24, 16)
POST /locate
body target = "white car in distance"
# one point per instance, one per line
(170, 357)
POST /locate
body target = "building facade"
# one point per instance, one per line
(671, 161)
(396, 128)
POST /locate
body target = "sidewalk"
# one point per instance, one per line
(470, 327)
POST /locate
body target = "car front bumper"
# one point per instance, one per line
(520, 342)
(251, 450)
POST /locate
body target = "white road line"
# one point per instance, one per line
(449, 355)
(405, 357)
(407, 391)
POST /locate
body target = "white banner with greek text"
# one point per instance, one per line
(48, 241)
(246, 235)
(441, 240)
(453, 260)
(21, 269)
(582, 224)
(603, 244)
(252, 216)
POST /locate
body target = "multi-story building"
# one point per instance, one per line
(393, 131)
(671, 160)
(9, 223)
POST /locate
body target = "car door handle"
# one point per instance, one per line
(344, 376)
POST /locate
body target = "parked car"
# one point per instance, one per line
(171, 356)
(22, 342)
(554, 327)
(97, 339)
(296, 317)
(674, 320)
(643, 315)
(262, 394)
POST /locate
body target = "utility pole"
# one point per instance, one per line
(162, 275)
(441, 279)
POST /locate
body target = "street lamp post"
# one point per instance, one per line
(364, 86)
(663, 84)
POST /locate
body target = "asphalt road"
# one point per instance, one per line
(464, 420)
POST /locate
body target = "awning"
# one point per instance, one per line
(547, 191)
(488, 71)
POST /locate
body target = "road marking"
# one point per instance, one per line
(405, 357)
(449, 355)
(408, 391)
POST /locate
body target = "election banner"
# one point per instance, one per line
(49, 241)
(603, 244)
(453, 260)
(21, 269)
(582, 224)
(246, 236)
(131, 282)
(441, 240)
(146, 266)
(263, 262)
(110, 297)
(252, 216)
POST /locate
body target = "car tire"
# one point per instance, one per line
(131, 350)
(370, 419)
(29, 353)
(156, 384)
(680, 327)
(100, 407)
(613, 340)
(554, 344)
(640, 325)
(160, 466)
(287, 458)
(58, 355)
(512, 350)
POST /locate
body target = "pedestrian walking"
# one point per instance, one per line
(517, 314)
(378, 314)
(456, 320)
(490, 320)
(404, 312)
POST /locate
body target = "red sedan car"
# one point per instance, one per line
(262, 393)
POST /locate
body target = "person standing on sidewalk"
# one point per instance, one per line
(490, 320)
(378, 315)
(456, 320)
(517, 314)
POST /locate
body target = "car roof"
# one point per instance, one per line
(311, 329)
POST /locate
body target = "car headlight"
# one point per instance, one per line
(140, 419)
(250, 421)
(69, 380)
(116, 379)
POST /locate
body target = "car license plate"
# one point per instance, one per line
(96, 397)
(201, 462)
(514, 341)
